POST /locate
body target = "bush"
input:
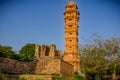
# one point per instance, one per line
(65, 78)
(21, 79)
(39, 79)
(75, 77)
(79, 77)
(97, 77)
(2, 76)
(54, 74)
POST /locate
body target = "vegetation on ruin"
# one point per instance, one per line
(100, 57)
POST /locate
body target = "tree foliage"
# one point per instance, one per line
(100, 56)
(6, 51)
(27, 52)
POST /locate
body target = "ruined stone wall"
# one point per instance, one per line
(43, 66)
(54, 66)
(14, 66)
(45, 50)
(47, 61)
(48, 66)
(66, 69)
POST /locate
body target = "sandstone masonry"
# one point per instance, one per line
(72, 53)
(48, 60)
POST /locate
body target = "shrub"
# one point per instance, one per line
(54, 74)
(2, 76)
(65, 78)
(75, 77)
(79, 77)
(97, 77)
(21, 78)
(39, 79)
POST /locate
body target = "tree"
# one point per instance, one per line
(27, 52)
(100, 56)
(6, 51)
(113, 53)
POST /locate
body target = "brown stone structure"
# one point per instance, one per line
(71, 53)
(54, 66)
(13, 66)
(47, 51)
(50, 61)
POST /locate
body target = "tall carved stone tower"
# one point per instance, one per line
(72, 53)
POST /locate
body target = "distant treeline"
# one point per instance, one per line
(25, 54)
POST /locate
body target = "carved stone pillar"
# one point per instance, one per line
(43, 49)
(37, 52)
(52, 50)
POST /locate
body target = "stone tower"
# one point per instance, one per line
(72, 53)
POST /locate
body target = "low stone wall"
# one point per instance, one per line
(44, 65)
(14, 66)
(47, 65)
(54, 66)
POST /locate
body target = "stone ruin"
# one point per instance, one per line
(47, 60)
(50, 61)
(47, 51)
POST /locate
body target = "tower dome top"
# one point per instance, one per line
(71, 3)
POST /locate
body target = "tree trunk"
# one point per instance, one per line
(114, 73)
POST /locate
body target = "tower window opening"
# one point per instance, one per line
(70, 19)
(70, 40)
(70, 33)
(70, 25)
(70, 6)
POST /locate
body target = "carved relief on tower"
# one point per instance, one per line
(71, 17)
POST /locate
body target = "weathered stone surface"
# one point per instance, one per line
(50, 61)
(71, 53)
(43, 66)
(48, 65)
(45, 50)
(14, 66)
(54, 66)
(47, 61)
(66, 69)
